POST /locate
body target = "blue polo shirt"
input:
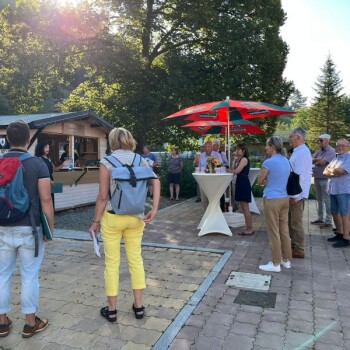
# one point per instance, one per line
(278, 170)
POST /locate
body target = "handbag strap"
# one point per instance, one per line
(290, 164)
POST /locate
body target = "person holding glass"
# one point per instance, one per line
(274, 175)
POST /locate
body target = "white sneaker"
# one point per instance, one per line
(270, 267)
(286, 264)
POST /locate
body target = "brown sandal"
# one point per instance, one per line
(5, 328)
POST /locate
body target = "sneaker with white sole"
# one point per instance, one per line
(270, 267)
(286, 264)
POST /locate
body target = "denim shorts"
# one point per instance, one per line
(340, 203)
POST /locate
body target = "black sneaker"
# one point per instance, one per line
(342, 243)
(335, 238)
(317, 222)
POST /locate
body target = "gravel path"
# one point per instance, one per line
(80, 218)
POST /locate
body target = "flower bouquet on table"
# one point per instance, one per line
(212, 163)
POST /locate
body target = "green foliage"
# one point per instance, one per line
(136, 61)
(258, 191)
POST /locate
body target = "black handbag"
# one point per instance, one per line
(293, 184)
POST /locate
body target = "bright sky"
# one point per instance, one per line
(314, 29)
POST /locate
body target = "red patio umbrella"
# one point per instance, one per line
(237, 127)
(217, 111)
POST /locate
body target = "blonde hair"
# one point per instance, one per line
(120, 138)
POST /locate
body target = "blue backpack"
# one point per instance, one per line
(130, 193)
(14, 198)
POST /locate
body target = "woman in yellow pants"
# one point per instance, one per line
(114, 227)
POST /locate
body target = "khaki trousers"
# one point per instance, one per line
(276, 216)
(295, 222)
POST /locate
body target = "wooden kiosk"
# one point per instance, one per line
(84, 134)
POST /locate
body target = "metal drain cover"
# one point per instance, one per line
(249, 297)
(249, 280)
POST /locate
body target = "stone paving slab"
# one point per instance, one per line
(72, 293)
(311, 310)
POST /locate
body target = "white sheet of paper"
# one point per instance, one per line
(96, 244)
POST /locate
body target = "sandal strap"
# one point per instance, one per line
(138, 309)
(105, 310)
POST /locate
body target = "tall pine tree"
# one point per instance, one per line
(327, 112)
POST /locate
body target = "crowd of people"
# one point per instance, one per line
(330, 170)
(283, 213)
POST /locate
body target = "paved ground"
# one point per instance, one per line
(188, 304)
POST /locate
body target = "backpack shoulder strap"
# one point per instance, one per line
(112, 160)
(25, 156)
(137, 159)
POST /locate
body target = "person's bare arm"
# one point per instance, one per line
(102, 198)
(59, 167)
(156, 197)
(44, 189)
(262, 176)
(243, 162)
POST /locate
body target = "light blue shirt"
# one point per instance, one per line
(301, 162)
(278, 171)
(340, 184)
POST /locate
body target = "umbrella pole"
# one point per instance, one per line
(229, 149)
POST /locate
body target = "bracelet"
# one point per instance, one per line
(95, 222)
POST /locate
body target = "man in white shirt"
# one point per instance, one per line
(217, 148)
(301, 163)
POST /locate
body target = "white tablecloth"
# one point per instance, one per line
(213, 185)
(253, 174)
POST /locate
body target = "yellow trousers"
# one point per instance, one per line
(113, 228)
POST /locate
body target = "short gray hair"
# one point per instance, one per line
(299, 131)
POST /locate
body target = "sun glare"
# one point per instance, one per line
(67, 3)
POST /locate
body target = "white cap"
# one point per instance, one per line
(325, 137)
(216, 142)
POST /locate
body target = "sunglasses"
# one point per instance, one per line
(319, 140)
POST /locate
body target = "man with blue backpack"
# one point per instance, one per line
(24, 191)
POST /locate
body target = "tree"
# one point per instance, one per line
(327, 109)
(166, 55)
(33, 69)
(296, 100)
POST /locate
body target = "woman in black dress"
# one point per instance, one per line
(243, 193)
(42, 151)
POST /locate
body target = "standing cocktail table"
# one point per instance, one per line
(213, 185)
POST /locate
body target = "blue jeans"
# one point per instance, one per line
(19, 241)
(340, 203)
